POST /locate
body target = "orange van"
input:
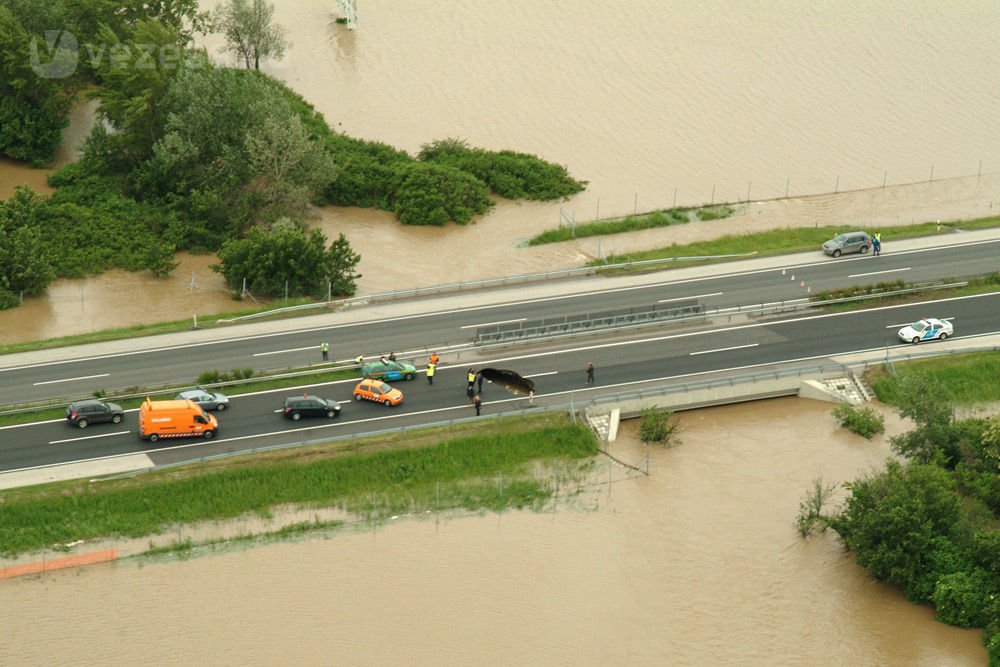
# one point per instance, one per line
(175, 419)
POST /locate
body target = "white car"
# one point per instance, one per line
(928, 328)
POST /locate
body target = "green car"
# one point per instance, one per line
(389, 370)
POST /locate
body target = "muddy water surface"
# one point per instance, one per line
(697, 564)
(653, 104)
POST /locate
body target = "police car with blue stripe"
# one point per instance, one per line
(928, 328)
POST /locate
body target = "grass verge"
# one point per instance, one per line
(401, 473)
(786, 241)
(150, 329)
(968, 379)
(632, 223)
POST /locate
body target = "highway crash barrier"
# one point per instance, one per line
(585, 322)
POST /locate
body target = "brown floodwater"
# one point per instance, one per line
(652, 103)
(697, 564)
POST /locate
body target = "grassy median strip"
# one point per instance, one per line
(967, 379)
(461, 471)
(787, 241)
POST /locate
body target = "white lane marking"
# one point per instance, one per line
(538, 375)
(88, 437)
(490, 324)
(685, 298)
(294, 349)
(487, 307)
(83, 377)
(723, 349)
(877, 273)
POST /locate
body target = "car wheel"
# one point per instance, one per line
(916, 339)
(836, 253)
(220, 407)
(330, 414)
(944, 335)
(864, 250)
(409, 376)
(153, 437)
(296, 416)
(209, 435)
(82, 423)
(116, 419)
(357, 397)
(387, 403)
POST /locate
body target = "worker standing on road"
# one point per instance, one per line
(479, 382)
(324, 348)
(392, 356)
(877, 244)
(434, 358)
(359, 360)
(471, 377)
(478, 403)
(590, 373)
(430, 373)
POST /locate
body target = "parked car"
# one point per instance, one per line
(297, 407)
(389, 370)
(928, 328)
(843, 244)
(377, 391)
(93, 411)
(207, 400)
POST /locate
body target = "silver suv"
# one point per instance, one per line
(848, 242)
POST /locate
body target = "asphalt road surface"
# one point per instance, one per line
(80, 375)
(624, 363)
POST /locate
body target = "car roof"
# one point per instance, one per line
(88, 401)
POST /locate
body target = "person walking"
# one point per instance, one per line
(359, 360)
(430, 373)
(531, 397)
(434, 358)
(324, 349)
(471, 377)
(479, 382)
(478, 403)
(877, 244)
(590, 373)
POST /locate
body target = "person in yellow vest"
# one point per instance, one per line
(324, 348)
(359, 360)
(430, 373)
(472, 381)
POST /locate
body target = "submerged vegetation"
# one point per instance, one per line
(930, 522)
(189, 155)
(459, 472)
(633, 223)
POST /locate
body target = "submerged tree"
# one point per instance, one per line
(249, 31)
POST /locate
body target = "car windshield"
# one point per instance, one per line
(383, 388)
(920, 326)
(840, 239)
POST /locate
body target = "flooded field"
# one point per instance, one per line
(652, 103)
(697, 564)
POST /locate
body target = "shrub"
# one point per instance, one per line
(659, 426)
(208, 377)
(966, 599)
(866, 422)
(430, 194)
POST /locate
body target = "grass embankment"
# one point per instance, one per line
(150, 329)
(786, 241)
(632, 223)
(410, 474)
(965, 378)
(251, 386)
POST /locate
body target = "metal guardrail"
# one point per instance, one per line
(478, 284)
(585, 322)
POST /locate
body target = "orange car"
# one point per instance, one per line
(378, 391)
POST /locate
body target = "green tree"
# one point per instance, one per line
(33, 109)
(903, 524)
(935, 437)
(250, 34)
(25, 259)
(288, 255)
